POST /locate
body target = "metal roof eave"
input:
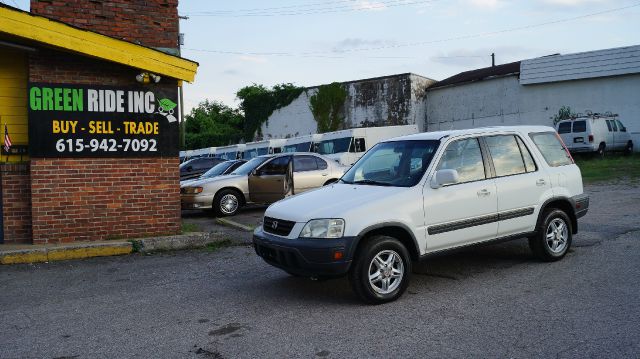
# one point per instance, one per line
(57, 34)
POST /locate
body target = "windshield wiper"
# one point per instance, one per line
(345, 181)
(372, 182)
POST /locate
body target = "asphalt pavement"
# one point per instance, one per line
(493, 301)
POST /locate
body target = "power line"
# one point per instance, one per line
(420, 43)
(378, 5)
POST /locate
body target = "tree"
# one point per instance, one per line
(564, 113)
(258, 102)
(212, 123)
(327, 107)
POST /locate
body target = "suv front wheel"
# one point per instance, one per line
(381, 270)
(553, 237)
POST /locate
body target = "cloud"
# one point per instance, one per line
(356, 43)
(254, 59)
(369, 5)
(231, 72)
(571, 2)
(485, 3)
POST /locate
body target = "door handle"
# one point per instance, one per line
(541, 182)
(325, 174)
(483, 192)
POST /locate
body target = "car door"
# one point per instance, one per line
(521, 185)
(306, 174)
(463, 212)
(622, 136)
(271, 181)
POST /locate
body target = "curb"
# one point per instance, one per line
(183, 241)
(234, 224)
(65, 252)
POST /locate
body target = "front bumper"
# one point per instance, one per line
(195, 202)
(304, 256)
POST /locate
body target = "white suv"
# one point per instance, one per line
(595, 134)
(416, 196)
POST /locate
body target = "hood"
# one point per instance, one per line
(333, 201)
(217, 181)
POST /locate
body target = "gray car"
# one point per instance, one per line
(264, 179)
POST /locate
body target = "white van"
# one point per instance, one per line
(347, 146)
(233, 152)
(595, 133)
(261, 148)
(302, 143)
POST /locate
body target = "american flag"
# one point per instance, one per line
(7, 139)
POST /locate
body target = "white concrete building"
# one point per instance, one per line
(532, 91)
(380, 101)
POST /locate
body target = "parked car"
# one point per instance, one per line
(595, 133)
(264, 179)
(196, 167)
(420, 195)
(221, 169)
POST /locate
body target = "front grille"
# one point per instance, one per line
(277, 226)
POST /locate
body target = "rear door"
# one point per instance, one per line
(271, 181)
(521, 184)
(306, 173)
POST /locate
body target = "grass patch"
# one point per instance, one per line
(216, 246)
(189, 227)
(610, 167)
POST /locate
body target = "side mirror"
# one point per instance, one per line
(254, 172)
(443, 178)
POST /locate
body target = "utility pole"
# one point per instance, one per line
(493, 59)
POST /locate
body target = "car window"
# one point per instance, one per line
(620, 126)
(249, 166)
(217, 170)
(529, 163)
(609, 125)
(564, 127)
(337, 145)
(304, 163)
(579, 126)
(277, 166)
(359, 145)
(551, 148)
(202, 163)
(465, 157)
(615, 126)
(322, 164)
(506, 155)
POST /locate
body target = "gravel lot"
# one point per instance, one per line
(494, 301)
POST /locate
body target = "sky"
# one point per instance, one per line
(313, 42)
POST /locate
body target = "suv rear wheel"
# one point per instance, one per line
(381, 270)
(553, 237)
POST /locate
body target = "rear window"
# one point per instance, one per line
(551, 148)
(579, 126)
(564, 127)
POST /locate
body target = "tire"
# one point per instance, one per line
(227, 203)
(553, 238)
(628, 150)
(601, 150)
(387, 257)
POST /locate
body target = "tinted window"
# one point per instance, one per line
(202, 163)
(218, 169)
(234, 166)
(359, 145)
(551, 148)
(322, 165)
(529, 163)
(506, 155)
(620, 126)
(465, 157)
(277, 166)
(579, 126)
(615, 126)
(338, 145)
(246, 168)
(564, 127)
(609, 126)
(304, 163)
(300, 147)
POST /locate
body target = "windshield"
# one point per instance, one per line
(399, 164)
(186, 163)
(217, 170)
(299, 147)
(336, 145)
(246, 168)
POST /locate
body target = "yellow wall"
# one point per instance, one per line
(13, 99)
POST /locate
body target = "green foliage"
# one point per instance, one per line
(613, 167)
(257, 103)
(327, 106)
(212, 123)
(563, 114)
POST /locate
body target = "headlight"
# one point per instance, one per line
(192, 190)
(323, 228)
